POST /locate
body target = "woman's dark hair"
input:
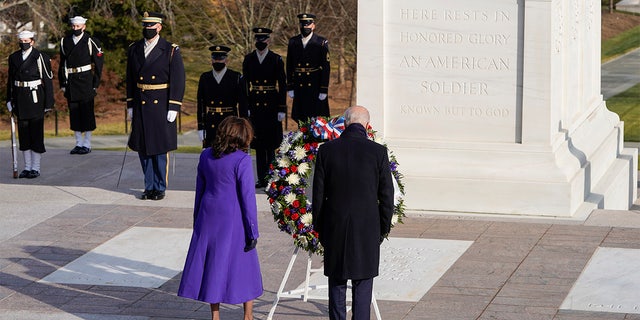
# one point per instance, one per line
(233, 133)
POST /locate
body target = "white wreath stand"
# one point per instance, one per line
(304, 292)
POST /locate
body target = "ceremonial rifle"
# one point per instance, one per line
(14, 150)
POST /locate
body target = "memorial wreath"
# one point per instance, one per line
(291, 177)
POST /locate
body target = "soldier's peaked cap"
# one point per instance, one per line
(219, 51)
(262, 33)
(151, 18)
(306, 18)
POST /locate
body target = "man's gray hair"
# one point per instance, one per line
(356, 114)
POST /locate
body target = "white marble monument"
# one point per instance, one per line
(494, 106)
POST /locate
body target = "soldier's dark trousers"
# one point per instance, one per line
(264, 157)
(155, 171)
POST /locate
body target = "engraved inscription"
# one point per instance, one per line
(449, 61)
(456, 111)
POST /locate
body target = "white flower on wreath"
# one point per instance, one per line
(276, 207)
(394, 219)
(296, 136)
(306, 219)
(303, 168)
(292, 225)
(284, 146)
(303, 241)
(283, 162)
(299, 153)
(289, 198)
(293, 179)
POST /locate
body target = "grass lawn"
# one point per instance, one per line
(627, 106)
(620, 44)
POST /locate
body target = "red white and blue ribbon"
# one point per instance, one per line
(327, 130)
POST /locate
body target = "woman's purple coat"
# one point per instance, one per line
(225, 214)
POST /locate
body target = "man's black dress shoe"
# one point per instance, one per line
(84, 150)
(75, 150)
(147, 195)
(157, 195)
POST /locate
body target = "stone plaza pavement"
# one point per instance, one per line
(513, 268)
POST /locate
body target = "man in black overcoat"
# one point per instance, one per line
(220, 94)
(308, 71)
(81, 61)
(155, 88)
(29, 96)
(352, 210)
(264, 74)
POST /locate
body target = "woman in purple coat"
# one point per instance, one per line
(222, 263)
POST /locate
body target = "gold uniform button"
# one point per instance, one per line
(308, 73)
(212, 126)
(307, 64)
(309, 84)
(144, 102)
(264, 92)
(265, 81)
(257, 104)
(155, 101)
(220, 102)
(153, 77)
(265, 104)
(141, 78)
(299, 64)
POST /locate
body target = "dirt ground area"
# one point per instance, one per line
(616, 22)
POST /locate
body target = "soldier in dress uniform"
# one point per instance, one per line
(29, 96)
(264, 74)
(220, 94)
(79, 73)
(308, 71)
(155, 88)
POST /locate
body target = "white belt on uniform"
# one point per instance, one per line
(79, 69)
(25, 84)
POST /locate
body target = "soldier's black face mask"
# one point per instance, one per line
(304, 31)
(218, 66)
(260, 45)
(25, 46)
(77, 32)
(149, 33)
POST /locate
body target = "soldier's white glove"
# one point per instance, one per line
(290, 93)
(201, 135)
(9, 106)
(171, 115)
(64, 89)
(281, 116)
(129, 114)
(322, 96)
